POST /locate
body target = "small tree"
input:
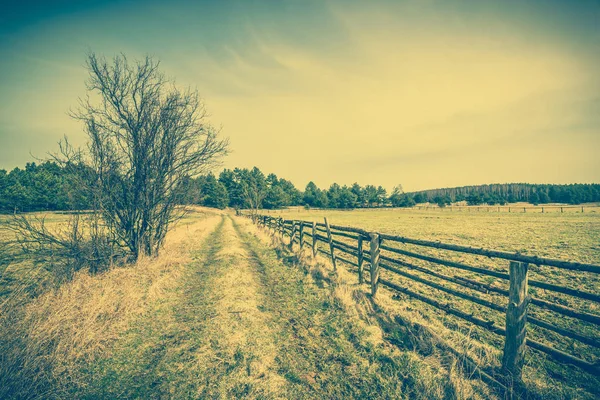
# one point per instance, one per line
(396, 196)
(254, 188)
(145, 136)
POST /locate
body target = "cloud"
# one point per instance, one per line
(433, 93)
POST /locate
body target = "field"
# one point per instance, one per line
(228, 311)
(571, 236)
(223, 312)
(567, 236)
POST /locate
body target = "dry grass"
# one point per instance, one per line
(573, 233)
(443, 374)
(46, 342)
(220, 314)
(239, 323)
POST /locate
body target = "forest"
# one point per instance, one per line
(48, 186)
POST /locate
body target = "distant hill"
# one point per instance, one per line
(499, 193)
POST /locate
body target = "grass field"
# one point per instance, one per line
(223, 312)
(227, 311)
(24, 276)
(572, 236)
(568, 236)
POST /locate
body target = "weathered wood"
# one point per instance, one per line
(568, 311)
(292, 234)
(361, 270)
(564, 310)
(516, 321)
(565, 332)
(342, 244)
(301, 235)
(330, 239)
(322, 238)
(516, 312)
(447, 263)
(350, 229)
(543, 285)
(443, 288)
(344, 234)
(565, 357)
(573, 266)
(490, 326)
(338, 258)
(314, 239)
(374, 263)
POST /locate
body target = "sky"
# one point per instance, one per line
(425, 93)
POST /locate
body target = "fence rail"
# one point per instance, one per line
(346, 244)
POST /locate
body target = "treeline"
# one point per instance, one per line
(42, 187)
(251, 188)
(50, 187)
(242, 188)
(511, 193)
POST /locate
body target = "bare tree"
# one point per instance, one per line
(145, 137)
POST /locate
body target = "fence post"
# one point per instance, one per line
(374, 263)
(314, 239)
(292, 234)
(330, 239)
(361, 269)
(516, 319)
(301, 234)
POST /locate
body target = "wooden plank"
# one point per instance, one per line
(321, 238)
(489, 325)
(314, 239)
(292, 234)
(562, 331)
(516, 321)
(361, 277)
(346, 250)
(346, 261)
(351, 229)
(573, 266)
(342, 244)
(301, 235)
(543, 285)
(486, 288)
(330, 239)
(565, 332)
(445, 289)
(374, 263)
(344, 234)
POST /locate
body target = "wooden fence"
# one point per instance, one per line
(347, 245)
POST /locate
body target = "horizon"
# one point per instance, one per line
(428, 95)
(216, 172)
